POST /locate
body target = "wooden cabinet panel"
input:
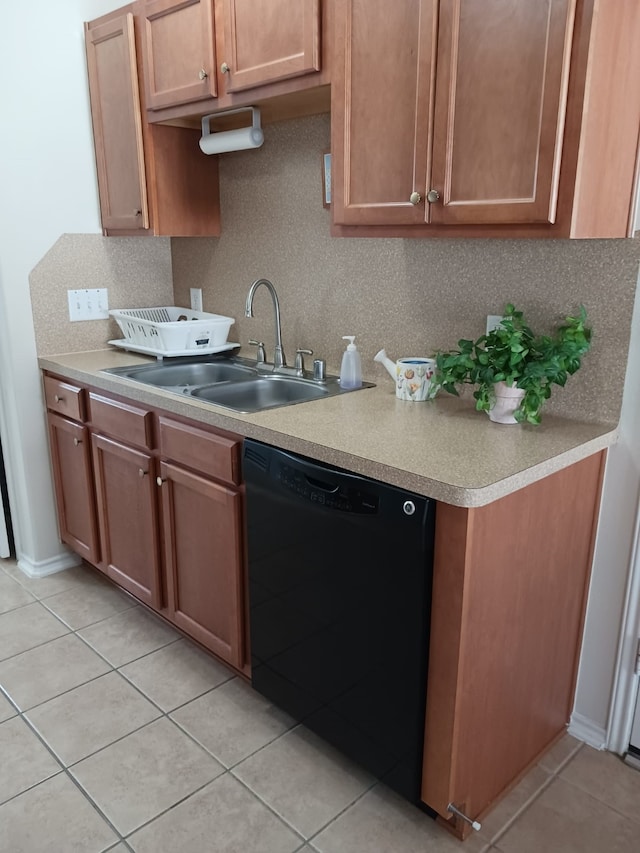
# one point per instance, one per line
(509, 593)
(121, 420)
(381, 110)
(127, 511)
(64, 398)
(207, 453)
(502, 77)
(73, 482)
(152, 179)
(117, 124)
(179, 52)
(203, 560)
(269, 40)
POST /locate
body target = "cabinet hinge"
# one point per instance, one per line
(637, 666)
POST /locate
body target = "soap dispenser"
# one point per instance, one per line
(351, 368)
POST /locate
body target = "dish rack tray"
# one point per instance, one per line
(170, 329)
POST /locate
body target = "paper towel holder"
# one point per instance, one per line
(231, 140)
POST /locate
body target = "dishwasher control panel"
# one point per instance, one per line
(327, 494)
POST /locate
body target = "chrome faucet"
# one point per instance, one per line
(279, 359)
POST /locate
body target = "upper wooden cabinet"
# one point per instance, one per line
(210, 50)
(481, 113)
(151, 180)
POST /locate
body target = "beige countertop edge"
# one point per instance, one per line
(444, 449)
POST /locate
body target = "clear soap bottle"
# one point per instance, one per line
(351, 368)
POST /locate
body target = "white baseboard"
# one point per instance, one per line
(586, 730)
(42, 568)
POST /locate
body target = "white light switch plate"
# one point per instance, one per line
(493, 321)
(85, 304)
(196, 298)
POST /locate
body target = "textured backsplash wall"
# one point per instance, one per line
(136, 271)
(409, 296)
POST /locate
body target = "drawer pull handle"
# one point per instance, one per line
(159, 481)
(58, 398)
(77, 441)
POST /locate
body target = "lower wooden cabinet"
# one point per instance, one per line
(203, 560)
(128, 518)
(163, 519)
(73, 483)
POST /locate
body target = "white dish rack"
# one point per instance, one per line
(171, 330)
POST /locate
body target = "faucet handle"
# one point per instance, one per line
(300, 354)
(261, 355)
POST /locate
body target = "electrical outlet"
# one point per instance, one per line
(493, 321)
(85, 304)
(196, 299)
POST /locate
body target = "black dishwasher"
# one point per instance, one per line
(340, 572)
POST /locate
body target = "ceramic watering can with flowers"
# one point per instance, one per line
(413, 376)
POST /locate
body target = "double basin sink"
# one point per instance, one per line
(233, 383)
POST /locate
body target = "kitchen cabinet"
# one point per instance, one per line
(460, 117)
(71, 463)
(202, 525)
(125, 490)
(151, 180)
(509, 595)
(157, 504)
(205, 55)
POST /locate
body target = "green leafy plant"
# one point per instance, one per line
(512, 353)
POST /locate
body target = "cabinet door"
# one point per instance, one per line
(179, 52)
(382, 95)
(269, 40)
(127, 512)
(203, 560)
(117, 124)
(73, 482)
(501, 86)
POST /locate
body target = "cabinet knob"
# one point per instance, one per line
(159, 481)
(77, 441)
(225, 68)
(142, 472)
(58, 398)
(202, 74)
(433, 195)
(415, 198)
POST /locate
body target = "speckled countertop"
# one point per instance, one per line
(443, 449)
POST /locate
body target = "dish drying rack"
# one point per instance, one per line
(170, 330)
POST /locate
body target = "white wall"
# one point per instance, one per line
(47, 176)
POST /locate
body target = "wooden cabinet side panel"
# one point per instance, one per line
(269, 40)
(503, 71)
(73, 483)
(203, 561)
(527, 568)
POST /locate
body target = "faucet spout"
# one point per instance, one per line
(278, 353)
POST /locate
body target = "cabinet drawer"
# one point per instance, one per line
(209, 453)
(64, 398)
(121, 420)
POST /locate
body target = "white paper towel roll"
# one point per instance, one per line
(232, 140)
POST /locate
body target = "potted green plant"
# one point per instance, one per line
(513, 368)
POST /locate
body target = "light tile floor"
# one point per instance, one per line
(117, 734)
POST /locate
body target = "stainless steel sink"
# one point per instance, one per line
(265, 392)
(199, 373)
(235, 383)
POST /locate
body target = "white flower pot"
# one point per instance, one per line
(507, 400)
